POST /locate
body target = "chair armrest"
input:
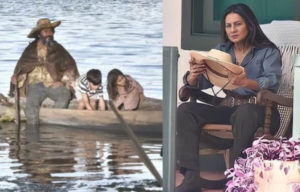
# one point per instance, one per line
(186, 93)
(266, 97)
(217, 127)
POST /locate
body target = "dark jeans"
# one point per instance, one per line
(37, 93)
(191, 117)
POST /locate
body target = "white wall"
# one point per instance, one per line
(172, 33)
(172, 23)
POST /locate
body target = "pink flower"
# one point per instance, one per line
(242, 173)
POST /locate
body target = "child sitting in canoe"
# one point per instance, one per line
(125, 92)
(89, 90)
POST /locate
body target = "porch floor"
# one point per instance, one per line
(204, 174)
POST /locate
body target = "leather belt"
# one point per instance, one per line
(231, 101)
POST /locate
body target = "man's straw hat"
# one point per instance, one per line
(219, 65)
(42, 24)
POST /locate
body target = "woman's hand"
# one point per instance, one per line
(239, 80)
(196, 68)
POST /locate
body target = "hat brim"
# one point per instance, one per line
(35, 30)
(219, 81)
(217, 71)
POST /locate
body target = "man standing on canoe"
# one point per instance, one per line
(45, 69)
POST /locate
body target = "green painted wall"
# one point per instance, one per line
(201, 25)
(265, 11)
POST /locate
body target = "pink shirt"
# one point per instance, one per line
(131, 98)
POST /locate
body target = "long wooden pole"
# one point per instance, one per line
(17, 106)
(137, 145)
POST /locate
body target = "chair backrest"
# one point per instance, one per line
(285, 34)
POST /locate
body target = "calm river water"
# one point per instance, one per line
(103, 34)
(48, 158)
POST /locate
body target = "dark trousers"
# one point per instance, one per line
(37, 93)
(191, 117)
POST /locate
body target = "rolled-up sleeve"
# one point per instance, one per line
(271, 75)
(202, 82)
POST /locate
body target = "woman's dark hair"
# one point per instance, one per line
(94, 76)
(112, 78)
(256, 36)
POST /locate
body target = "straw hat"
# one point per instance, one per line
(42, 24)
(219, 65)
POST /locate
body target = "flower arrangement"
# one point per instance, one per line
(244, 172)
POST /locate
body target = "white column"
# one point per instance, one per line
(171, 44)
(296, 107)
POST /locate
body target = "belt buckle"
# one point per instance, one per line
(239, 102)
(232, 101)
(250, 99)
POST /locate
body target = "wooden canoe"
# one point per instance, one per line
(146, 120)
(141, 121)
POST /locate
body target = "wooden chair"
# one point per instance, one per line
(283, 99)
(223, 132)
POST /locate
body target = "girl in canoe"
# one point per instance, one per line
(125, 92)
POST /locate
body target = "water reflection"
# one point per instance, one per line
(65, 159)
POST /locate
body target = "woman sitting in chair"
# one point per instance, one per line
(248, 47)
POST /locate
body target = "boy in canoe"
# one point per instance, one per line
(89, 90)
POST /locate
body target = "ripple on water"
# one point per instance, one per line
(66, 159)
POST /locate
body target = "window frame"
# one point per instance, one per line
(192, 35)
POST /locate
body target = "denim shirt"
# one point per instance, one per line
(261, 64)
